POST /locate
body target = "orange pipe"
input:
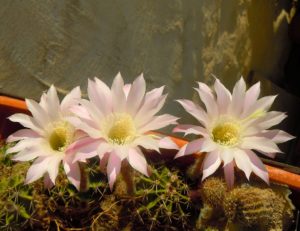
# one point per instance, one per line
(13, 103)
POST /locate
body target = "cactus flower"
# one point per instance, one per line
(46, 137)
(231, 128)
(118, 121)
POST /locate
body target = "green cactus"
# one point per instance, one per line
(163, 199)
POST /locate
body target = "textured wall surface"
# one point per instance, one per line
(175, 43)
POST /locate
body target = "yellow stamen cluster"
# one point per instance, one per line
(122, 129)
(61, 136)
(227, 133)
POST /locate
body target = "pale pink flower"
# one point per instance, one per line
(118, 121)
(231, 127)
(46, 137)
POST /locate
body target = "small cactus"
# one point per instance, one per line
(164, 198)
(245, 205)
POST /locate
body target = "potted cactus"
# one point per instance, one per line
(104, 168)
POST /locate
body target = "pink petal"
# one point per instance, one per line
(85, 126)
(27, 154)
(259, 144)
(195, 111)
(271, 119)
(167, 143)
(211, 163)
(229, 174)
(208, 145)
(52, 103)
(152, 103)
(47, 181)
(39, 114)
(251, 96)
(243, 162)
(71, 99)
(53, 166)
(136, 95)
(37, 169)
(227, 156)
(278, 136)
(118, 95)
(238, 97)
(103, 162)
(100, 95)
(126, 89)
(92, 109)
(113, 169)
(257, 166)
(137, 160)
(148, 142)
(84, 144)
(208, 99)
(145, 114)
(27, 121)
(72, 170)
(190, 148)
(223, 96)
(23, 144)
(158, 122)
(263, 104)
(22, 134)
(191, 129)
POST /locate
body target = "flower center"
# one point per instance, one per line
(227, 133)
(122, 129)
(61, 136)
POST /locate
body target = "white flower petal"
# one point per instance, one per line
(223, 96)
(118, 95)
(137, 160)
(251, 96)
(72, 170)
(71, 99)
(238, 97)
(271, 119)
(208, 99)
(257, 166)
(195, 111)
(259, 144)
(27, 121)
(27, 154)
(53, 166)
(113, 168)
(208, 145)
(190, 148)
(136, 95)
(37, 169)
(242, 161)
(167, 143)
(158, 122)
(229, 174)
(101, 96)
(278, 136)
(39, 114)
(191, 129)
(22, 134)
(226, 155)
(147, 141)
(25, 143)
(211, 163)
(52, 104)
